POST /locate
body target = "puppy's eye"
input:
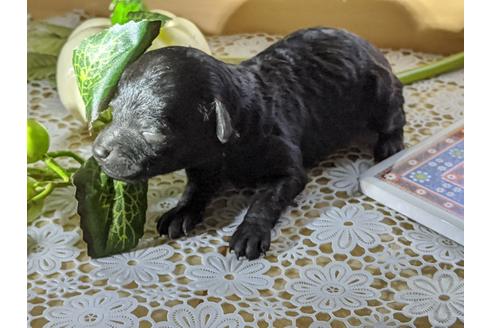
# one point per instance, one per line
(153, 137)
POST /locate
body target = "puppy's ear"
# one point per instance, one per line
(224, 128)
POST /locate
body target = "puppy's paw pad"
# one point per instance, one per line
(177, 222)
(250, 240)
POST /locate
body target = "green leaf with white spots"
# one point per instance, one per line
(100, 60)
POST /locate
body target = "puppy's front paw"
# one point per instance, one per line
(250, 240)
(178, 222)
(387, 148)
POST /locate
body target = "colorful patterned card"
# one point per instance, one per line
(425, 182)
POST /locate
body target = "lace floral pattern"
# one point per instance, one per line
(64, 284)
(331, 288)
(440, 298)
(205, 315)
(393, 261)
(104, 309)
(345, 175)
(384, 270)
(227, 275)
(267, 311)
(48, 247)
(429, 242)
(347, 227)
(141, 267)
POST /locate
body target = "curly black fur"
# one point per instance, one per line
(261, 122)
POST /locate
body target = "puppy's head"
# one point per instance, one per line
(166, 116)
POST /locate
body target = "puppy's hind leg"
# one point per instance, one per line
(388, 122)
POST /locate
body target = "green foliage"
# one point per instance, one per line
(38, 141)
(147, 15)
(112, 213)
(40, 66)
(95, 196)
(100, 60)
(44, 43)
(121, 8)
(129, 207)
(34, 207)
(34, 210)
(105, 117)
(39, 28)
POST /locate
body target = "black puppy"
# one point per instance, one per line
(260, 122)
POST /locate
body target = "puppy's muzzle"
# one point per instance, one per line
(115, 161)
(101, 152)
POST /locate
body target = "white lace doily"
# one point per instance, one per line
(338, 258)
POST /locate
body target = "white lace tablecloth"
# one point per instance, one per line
(382, 270)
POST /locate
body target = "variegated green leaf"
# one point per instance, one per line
(121, 8)
(94, 194)
(100, 60)
(129, 207)
(112, 213)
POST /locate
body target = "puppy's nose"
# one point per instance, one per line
(101, 152)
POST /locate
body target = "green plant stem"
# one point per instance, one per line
(61, 184)
(48, 189)
(66, 153)
(41, 174)
(55, 167)
(45, 193)
(45, 175)
(444, 65)
(232, 60)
